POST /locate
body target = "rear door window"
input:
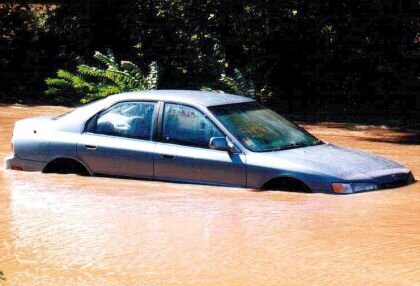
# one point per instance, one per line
(126, 119)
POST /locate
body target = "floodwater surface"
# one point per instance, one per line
(72, 230)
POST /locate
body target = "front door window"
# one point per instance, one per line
(185, 125)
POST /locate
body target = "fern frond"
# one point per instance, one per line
(206, 88)
(57, 83)
(52, 91)
(91, 72)
(153, 76)
(77, 82)
(102, 90)
(251, 91)
(131, 68)
(122, 79)
(63, 74)
(230, 83)
(92, 82)
(108, 89)
(209, 89)
(240, 81)
(109, 60)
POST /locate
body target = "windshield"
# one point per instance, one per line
(261, 129)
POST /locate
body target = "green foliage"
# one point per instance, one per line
(308, 52)
(91, 83)
(239, 84)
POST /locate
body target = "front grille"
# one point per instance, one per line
(395, 181)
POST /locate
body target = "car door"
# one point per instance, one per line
(183, 153)
(118, 140)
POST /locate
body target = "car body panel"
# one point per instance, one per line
(63, 145)
(113, 155)
(199, 165)
(27, 165)
(40, 140)
(31, 138)
(319, 166)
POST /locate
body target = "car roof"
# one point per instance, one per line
(193, 97)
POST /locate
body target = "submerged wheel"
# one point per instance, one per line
(287, 184)
(66, 166)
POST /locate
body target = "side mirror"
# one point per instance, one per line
(220, 143)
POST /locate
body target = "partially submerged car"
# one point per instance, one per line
(195, 137)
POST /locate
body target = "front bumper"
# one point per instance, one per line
(396, 180)
(393, 180)
(12, 162)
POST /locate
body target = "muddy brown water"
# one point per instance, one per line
(72, 230)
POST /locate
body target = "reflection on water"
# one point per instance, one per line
(71, 230)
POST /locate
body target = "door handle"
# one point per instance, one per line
(90, 147)
(165, 156)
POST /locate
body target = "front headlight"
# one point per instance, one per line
(353, 187)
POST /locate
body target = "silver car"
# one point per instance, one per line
(195, 137)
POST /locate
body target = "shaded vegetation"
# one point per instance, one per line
(313, 57)
(240, 84)
(90, 83)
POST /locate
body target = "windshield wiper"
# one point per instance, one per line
(289, 146)
(294, 145)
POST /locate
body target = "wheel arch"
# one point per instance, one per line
(286, 182)
(67, 158)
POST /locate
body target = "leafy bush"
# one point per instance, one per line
(240, 84)
(91, 83)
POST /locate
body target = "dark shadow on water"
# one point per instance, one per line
(408, 139)
(376, 119)
(382, 133)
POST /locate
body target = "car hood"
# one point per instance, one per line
(339, 162)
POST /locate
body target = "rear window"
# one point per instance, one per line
(74, 109)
